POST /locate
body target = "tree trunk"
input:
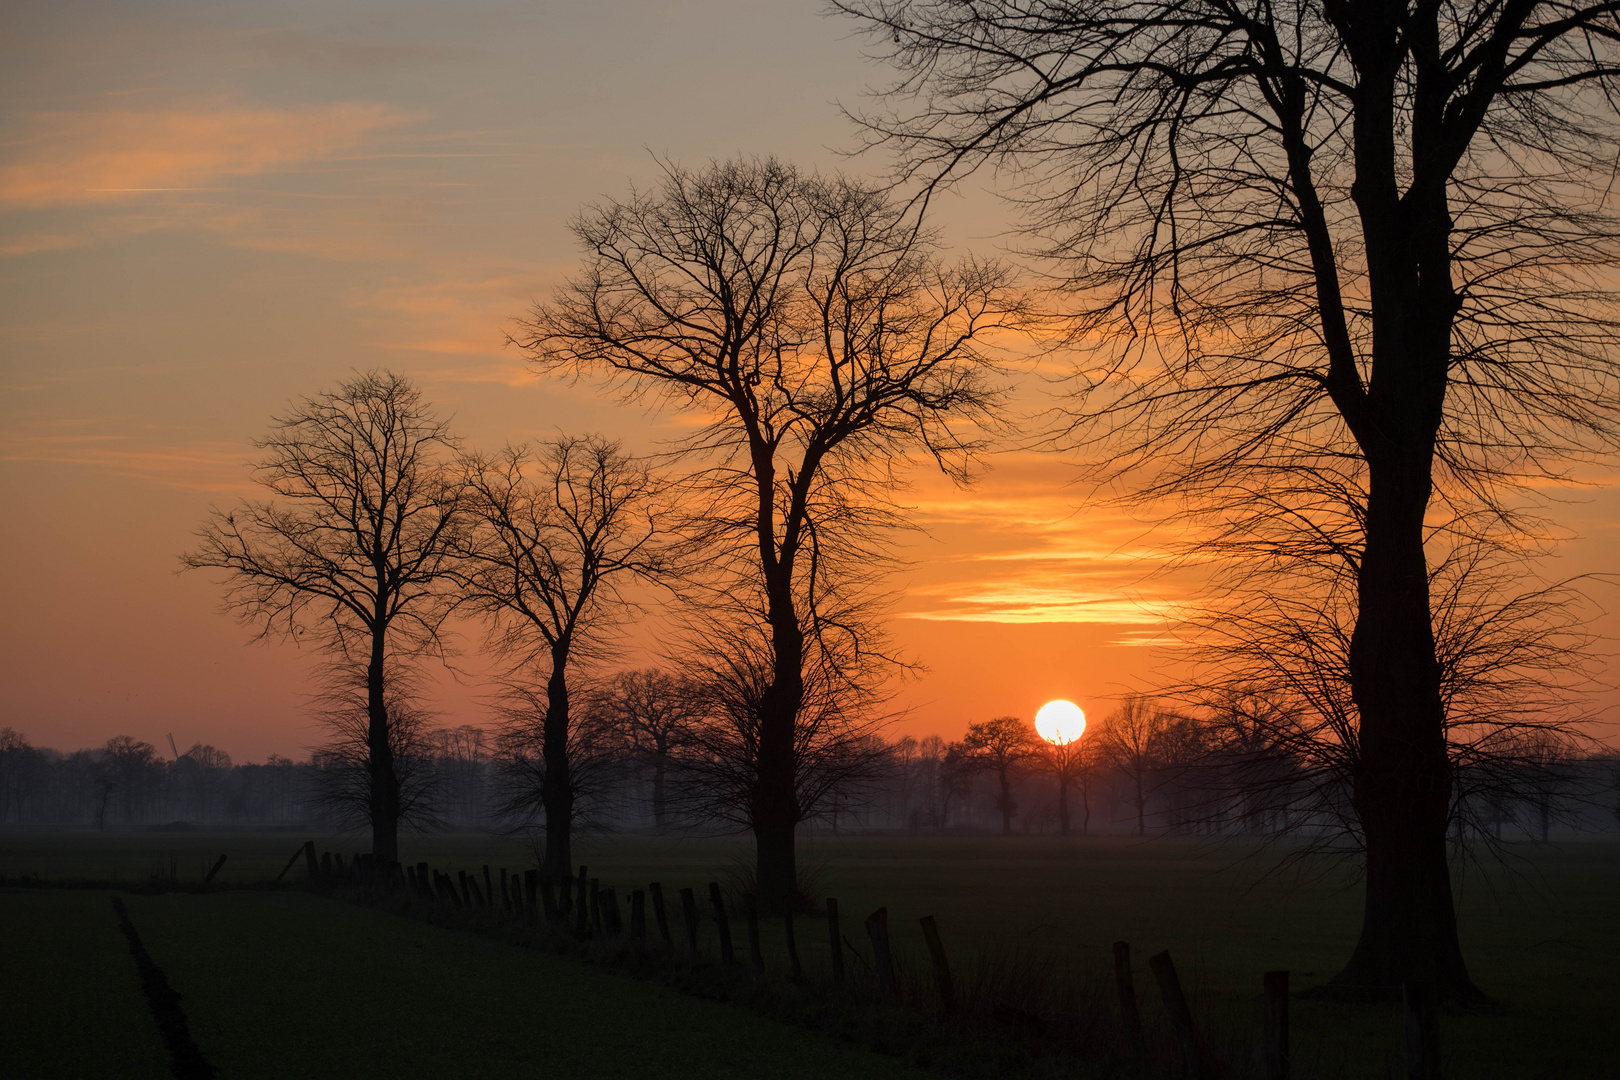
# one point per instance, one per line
(383, 782)
(1401, 785)
(660, 804)
(1401, 781)
(1141, 805)
(775, 810)
(558, 793)
(1005, 803)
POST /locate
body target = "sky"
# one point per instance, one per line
(208, 210)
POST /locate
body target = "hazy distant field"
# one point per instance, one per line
(1545, 943)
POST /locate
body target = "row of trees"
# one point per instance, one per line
(1144, 771)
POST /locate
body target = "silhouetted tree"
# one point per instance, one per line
(352, 553)
(131, 768)
(1004, 746)
(20, 765)
(955, 780)
(1320, 249)
(560, 532)
(659, 711)
(815, 334)
(1134, 738)
(1071, 765)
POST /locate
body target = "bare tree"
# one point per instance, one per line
(131, 768)
(352, 553)
(659, 712)
(821, 342)
(1339, 251)
(1072, 765)
(955, 780)
(547, 565)
(1005, 746)
(1133, 738)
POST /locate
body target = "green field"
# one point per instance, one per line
(318, 973)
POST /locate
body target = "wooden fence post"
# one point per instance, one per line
(309, 861)
(638, 919)
(689, 913)
(1276, 990)
(209, 880)
(942, 967)
(751, 905)
(596, 907)
(1175, 1005)
(835, 940)
(565, 898)
(489, 888)
(423, 882)
(1129, 1013)
(290, 862)
(1422, 1031)
(794, 966)
(506, 891)
(720, 922)
(660, 916)
(877, 928)
(448, 887)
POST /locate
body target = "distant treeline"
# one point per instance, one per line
(1172, 779)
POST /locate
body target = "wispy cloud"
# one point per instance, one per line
(1026, 547)
(100, 155)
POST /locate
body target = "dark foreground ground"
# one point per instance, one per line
(288, 984)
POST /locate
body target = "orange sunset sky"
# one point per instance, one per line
(209, 209)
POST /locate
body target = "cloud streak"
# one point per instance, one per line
(103, 155)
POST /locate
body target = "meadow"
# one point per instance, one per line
(268, 973)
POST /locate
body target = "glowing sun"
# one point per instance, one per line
(1060, 722)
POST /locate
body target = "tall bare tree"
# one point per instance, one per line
(352, 552)
(1317, 245)
(819, 341)
(547, 564)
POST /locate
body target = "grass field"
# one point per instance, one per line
(1544, 941)
(284, 984)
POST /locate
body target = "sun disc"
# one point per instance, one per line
(1060, 722)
